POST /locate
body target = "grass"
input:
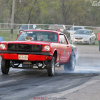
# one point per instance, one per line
(6, 35)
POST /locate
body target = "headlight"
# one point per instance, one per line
(47, 48)
(2, 46)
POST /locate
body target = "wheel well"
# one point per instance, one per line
(73, 52)
(55, 54)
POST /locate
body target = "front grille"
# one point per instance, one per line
(85, 41)
(24, 47)
(79, 38)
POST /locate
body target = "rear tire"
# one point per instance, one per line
(5, 65)
(51, 67)
(70, 66)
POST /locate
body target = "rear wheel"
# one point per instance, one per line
(51, 67)
(5, 65)
(70, 66)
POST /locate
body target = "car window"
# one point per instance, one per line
(87, 32)
(82, 32)
(28, 26)
(24, 27)
(38, 36)
(76, 28)
(62, 39)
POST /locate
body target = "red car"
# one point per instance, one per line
(42, 49)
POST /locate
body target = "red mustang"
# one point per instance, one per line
(42, 49)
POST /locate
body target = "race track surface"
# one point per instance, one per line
(23, 84)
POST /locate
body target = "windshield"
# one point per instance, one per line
(56, 27)
(28, 26)
(76, 28)
(83, 32)
(38, 36)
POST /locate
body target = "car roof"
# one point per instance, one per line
(45, 31)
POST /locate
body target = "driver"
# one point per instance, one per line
(51, 37)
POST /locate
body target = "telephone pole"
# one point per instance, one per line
(12, 18)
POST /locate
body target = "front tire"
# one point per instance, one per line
(51, 67)
(70, 66)
(5, 65)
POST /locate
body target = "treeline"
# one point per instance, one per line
(51, 12)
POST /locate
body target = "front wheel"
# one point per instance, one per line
(5, 65)
(51, 67)
(70, 66)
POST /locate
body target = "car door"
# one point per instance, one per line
(68, 49)
(65, 48)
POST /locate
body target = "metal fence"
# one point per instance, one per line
(7, 27)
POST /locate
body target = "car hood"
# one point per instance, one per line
(78, 35)
(28, 42)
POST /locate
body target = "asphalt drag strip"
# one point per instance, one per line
(25, 84)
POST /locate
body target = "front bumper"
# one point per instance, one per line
(80, 41)
(31, 56)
